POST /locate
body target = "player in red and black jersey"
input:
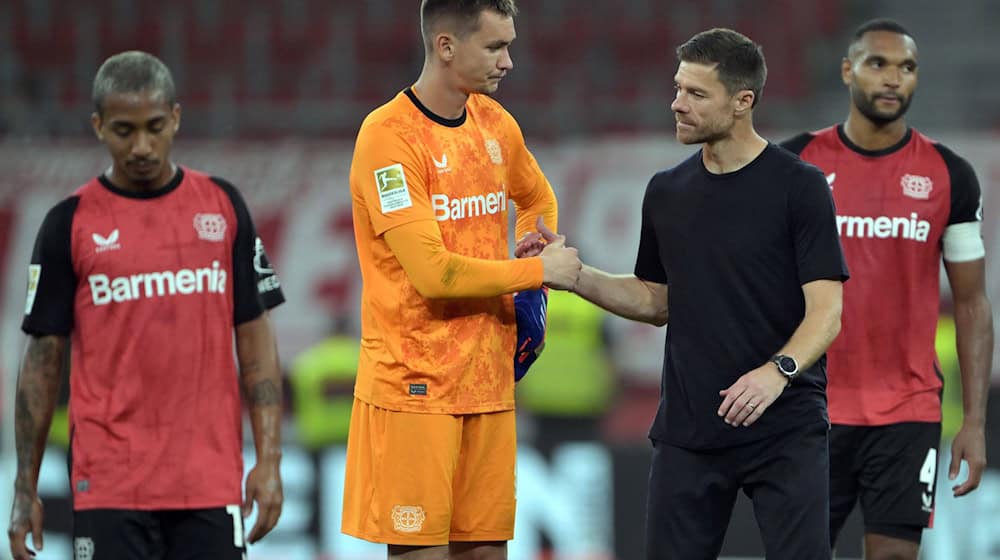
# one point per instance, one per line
(145, 273)
(903, 202)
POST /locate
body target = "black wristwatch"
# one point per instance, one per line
(787, 366)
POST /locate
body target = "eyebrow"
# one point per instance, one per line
(883, 58)
(695, 89)
(154, 120)
(149, 120)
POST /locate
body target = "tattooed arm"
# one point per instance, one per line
(261, 379)
(37, 390)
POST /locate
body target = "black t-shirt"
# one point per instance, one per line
(735, 250)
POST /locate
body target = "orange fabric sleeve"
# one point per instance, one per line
(530, 191)
(437, 273)
(389, 176)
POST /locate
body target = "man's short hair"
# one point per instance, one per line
(740, 61)
(462, 15)
(132, 72)
(878, 24)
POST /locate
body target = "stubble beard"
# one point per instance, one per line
(866, 106)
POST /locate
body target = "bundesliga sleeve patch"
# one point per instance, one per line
(34, 274)
(393, 192)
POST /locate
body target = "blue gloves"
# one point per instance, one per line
(530, 310)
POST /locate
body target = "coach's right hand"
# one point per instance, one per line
(25, 517)
(561, 263)
(746, 400)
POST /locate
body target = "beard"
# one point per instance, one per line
(866, 105)
(707, 133)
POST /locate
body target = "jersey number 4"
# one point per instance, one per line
(929, 469)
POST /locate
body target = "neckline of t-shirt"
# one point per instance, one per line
(873, 153)
(731, 174)
(166, 189)
(451, 123)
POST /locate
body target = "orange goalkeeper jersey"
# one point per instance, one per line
(449, 355)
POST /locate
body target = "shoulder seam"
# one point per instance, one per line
(222, 183)
(68, 204)
(797, 144)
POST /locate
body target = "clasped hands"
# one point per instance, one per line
(561, 263)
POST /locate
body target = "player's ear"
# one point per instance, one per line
(444, 44)
(845, 71)
(96, 121)
(177, 117)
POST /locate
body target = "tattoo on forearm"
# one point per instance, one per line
(37, 388)
(25, 435)
(264, 393)
(44, 354)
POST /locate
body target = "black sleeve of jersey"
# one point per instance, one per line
(814, 229)
(51, 277)
(966, 196)
(648, 265)
(255, 285)
(798, 143)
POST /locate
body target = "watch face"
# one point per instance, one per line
(787, 364)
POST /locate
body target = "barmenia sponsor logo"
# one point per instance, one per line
(447, 208)
(185, 281)
(884, 227)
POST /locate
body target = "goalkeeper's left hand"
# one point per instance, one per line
(530, 310)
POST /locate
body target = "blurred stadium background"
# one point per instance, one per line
(273, 92)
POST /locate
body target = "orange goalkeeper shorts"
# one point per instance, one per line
(429, 479)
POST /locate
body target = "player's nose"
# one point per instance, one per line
(143, 145)
(506, 62)
(892, 78)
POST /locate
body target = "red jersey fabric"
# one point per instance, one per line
(149, 289)
(893, 206)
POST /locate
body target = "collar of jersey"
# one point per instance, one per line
(453, 123)
(873, 153)
(164, 190)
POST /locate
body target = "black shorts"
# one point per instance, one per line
(194, 534)
(692, 493)
(892, 470)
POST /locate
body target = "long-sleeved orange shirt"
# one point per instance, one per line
(430, 203)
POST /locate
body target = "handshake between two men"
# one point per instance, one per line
(561, 265)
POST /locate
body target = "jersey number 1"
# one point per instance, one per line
(234, 511)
